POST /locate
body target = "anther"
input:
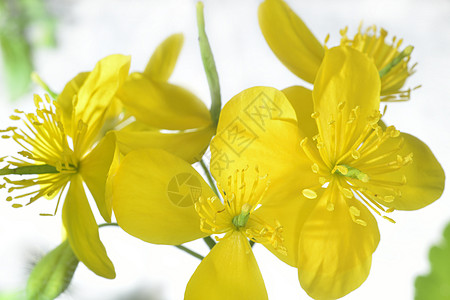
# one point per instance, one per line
(315, 115)
(310, 194)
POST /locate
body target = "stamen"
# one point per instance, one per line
(310, 194)
(236, 212)
(354, 213)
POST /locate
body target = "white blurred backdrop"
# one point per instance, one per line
(91, 29)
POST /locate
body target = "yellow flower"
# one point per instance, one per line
(327, 171)
(172, 205)
(69, 162)
(299, 50)
(167, 116)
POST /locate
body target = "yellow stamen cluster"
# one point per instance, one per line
(235, 213)
(44, 143)
(374, 44)
(350, 163)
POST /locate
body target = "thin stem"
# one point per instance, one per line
(107, 224)
(209, 66)
(189, 251)
(209, 177)
(209, 241)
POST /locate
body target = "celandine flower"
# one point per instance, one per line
(65, 162)
(172, 204)
(230, 270)
(330, 170)
(166, 116)
(299, 50)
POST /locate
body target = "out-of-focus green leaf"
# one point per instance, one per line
(24, 25)
(16, 62)
(52, 274)
(42, 23)
(12, 295)
(436, 284)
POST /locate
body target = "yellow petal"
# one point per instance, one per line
(94, 169)
(346, 76)
(228, 272)
(302, 102)
(334, 250)
(258, 127)
(97, 93)
(82, 231)
(163, 60)
(289, 38)
(163, 105)
(188, 145)
(153, 196)
(65, 99)
(292, 214)
(425, 178)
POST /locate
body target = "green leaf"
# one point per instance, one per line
(17, 62)
(52, 274)
(436, 284)
(209, 65)
(12, 295)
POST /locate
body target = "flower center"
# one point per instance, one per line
(241, 220)
(393, 75)
(350, 172)
(236, 212)
(356, 160)
(46, 146)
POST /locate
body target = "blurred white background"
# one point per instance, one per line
(89, 30)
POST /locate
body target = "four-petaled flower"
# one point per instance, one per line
(332, 168)
(146, 207)
(64, 142)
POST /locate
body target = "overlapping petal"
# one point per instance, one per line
(163, 105)
(335, 251)
(66, 97)
(96, 95)
(163, 60)
(291, 214)
(289, 38)
(229, 271)
(188, 145)
(346, 77)
(417, 184)
(153, 197)
(258, 127)
(94, 169)
(302, 102)
(82, 231)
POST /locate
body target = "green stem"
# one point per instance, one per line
(209, 241)
(209, 65)
(37, 79)
(209, 177)
(28, 170)
(189, 251)
(107, 224)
